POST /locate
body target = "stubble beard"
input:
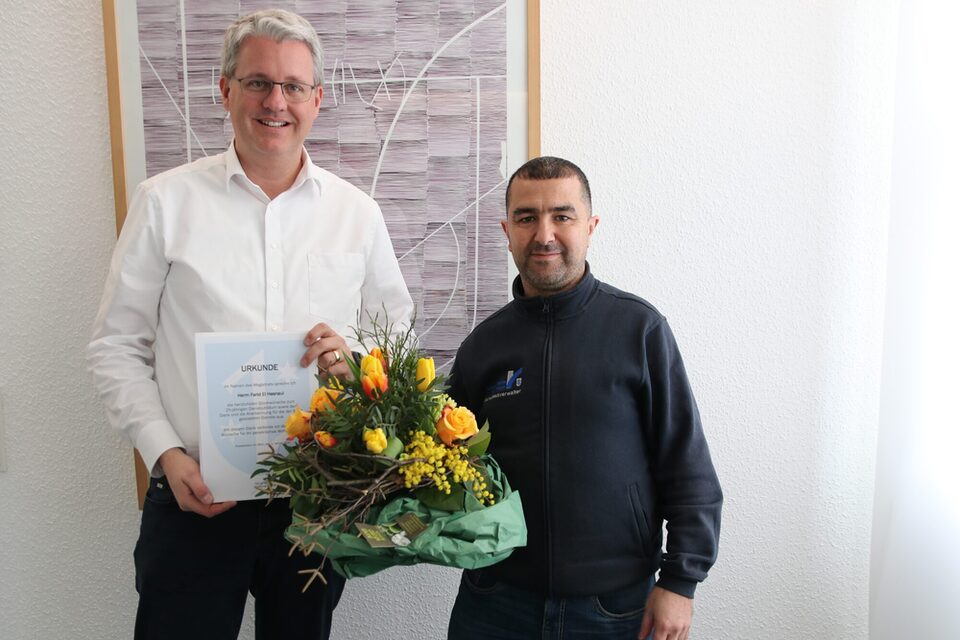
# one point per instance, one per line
(560, 276)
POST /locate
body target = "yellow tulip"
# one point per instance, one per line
(371, 364)
(379, 355)
(425, 373)
(375, 385)
(325, 439)
(375, 439)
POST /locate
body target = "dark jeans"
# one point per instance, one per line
(489, 610)
(193, 573)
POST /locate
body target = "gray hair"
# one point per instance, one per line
(276, 24)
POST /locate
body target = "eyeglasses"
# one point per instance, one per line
(292, 91)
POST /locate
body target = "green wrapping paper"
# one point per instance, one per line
(475, 537)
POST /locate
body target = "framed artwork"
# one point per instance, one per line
(428, 106)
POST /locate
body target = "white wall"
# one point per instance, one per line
(68, 519)
(739, 153)
(916, 520)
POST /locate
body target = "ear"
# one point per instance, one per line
(503, 225)
(225, 92)
(318, 98)
(592, 224)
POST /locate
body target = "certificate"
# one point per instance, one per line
(247, 384)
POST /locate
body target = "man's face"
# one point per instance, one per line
(548, 230)
(267, 127)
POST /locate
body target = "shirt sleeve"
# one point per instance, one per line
(384, 293)
(120, 356)
(688, 490)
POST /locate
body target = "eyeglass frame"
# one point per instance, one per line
(273, 83)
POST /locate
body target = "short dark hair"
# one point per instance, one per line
(550, 168)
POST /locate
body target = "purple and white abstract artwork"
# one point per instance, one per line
(414, 113)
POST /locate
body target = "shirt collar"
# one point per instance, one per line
(308, 170)
(560, 305)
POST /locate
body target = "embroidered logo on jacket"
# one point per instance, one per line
(509, 386)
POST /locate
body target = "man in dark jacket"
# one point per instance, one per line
(595, 425)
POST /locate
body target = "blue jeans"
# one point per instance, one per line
(489, 610)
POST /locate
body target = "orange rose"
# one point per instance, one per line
(298, 425)
(323, 399)
(456, 423)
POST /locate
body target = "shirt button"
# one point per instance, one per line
(274, 327)
(273, 245)
(275, 285)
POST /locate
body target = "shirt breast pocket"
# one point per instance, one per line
(335, 282)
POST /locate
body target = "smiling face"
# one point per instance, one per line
(548, 229)
(268, 130)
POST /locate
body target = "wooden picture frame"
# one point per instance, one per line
(119, 18)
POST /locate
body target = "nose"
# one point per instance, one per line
(275, 100)
(545, 232)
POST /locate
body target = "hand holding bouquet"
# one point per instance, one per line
(385, 469)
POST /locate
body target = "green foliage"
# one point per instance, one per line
(436, 499)
(477, 445)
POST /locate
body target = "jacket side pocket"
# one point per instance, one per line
(640, 515)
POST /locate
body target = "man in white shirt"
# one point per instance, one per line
(255, 239)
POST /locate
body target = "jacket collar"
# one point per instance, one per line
(561, 305)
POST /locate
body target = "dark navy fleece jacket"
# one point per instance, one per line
(594, 423)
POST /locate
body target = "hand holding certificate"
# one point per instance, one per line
(246, 383)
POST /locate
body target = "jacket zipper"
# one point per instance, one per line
(548, 344)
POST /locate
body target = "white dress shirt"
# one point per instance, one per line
(205, 249)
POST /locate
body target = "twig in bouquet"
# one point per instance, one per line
(297, 543)
(314, 574)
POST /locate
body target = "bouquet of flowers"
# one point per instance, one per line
(385, 469)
